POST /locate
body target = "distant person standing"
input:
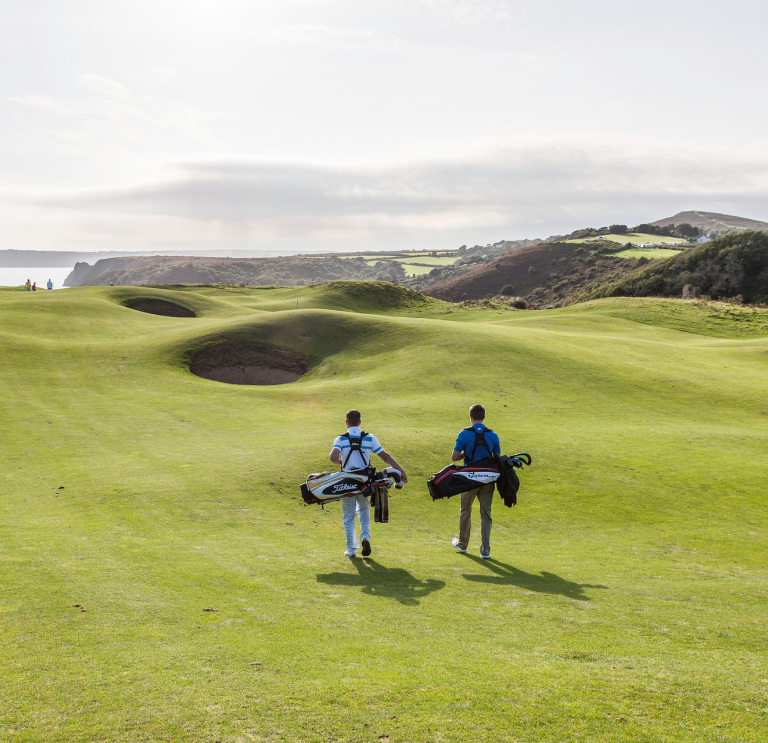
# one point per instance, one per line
(49, 285)
(34, 287)
(353, 450)
(28, 285)
(474, 443)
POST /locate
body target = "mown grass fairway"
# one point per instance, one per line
(626, 595)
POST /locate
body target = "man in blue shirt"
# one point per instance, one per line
(475, 443)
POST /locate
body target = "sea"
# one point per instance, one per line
(18, 276)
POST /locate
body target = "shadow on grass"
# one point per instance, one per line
(389, 583)
(506, 575)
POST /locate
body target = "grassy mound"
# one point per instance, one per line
(162, 581)
(366, 297)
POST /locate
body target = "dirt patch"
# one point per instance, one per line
(248, 364)
(161, 307)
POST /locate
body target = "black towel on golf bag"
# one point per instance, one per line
(455, 479)
(380, 503)
(509, 483)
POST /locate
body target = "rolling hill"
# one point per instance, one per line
(713, 224)
(289, 270)
(557, 274)
(547, 274)
(163, 581)
(734, 266)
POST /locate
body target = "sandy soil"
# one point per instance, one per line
(161, 307)
(248, 364)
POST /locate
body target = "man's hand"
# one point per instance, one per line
(456, 455)
(390, 460)
(335, 456)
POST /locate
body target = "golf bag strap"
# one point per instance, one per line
(355, 444)
(479, 441)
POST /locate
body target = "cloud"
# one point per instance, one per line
(38, 101)
(104, 87)
(105, 111)
(513, 192)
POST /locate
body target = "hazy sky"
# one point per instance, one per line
(341, 124)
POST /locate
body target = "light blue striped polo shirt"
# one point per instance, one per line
(369, 446)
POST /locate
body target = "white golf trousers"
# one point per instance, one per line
(350, 506)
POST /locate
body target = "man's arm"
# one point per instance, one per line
(390, 460)
(335, 456)
(458, 448)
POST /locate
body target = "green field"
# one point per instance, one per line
(632, 237)
(626, 595)
(417, 270)
(430, 260)
(650, 253)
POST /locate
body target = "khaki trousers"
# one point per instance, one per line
(484, 496)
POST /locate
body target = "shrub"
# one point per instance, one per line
(508, 290)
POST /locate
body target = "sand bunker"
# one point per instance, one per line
(248, 364)
(161, 307)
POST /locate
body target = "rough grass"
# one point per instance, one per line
(632, 237)
(651, 253)
(626, 595)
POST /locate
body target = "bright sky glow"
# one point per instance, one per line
(353, 124)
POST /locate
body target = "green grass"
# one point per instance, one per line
(409, 261)
(651, 253)
(633, 237)
(412, 270)
(626, 596)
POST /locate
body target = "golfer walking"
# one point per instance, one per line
(352, 450)
(474, 443)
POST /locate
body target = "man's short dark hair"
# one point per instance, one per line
(477, 412)
(353, 417)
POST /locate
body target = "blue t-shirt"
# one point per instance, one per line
(466, 440)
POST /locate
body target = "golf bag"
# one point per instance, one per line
(326, 487)
(455, 479)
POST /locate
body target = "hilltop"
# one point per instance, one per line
(713, 224)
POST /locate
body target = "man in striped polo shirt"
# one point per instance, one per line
(353, 451)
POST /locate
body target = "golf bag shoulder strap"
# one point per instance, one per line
(479, 440)
(355, 444)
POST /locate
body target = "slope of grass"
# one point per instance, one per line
(650, 253)
(636, 238)
(626, 595)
